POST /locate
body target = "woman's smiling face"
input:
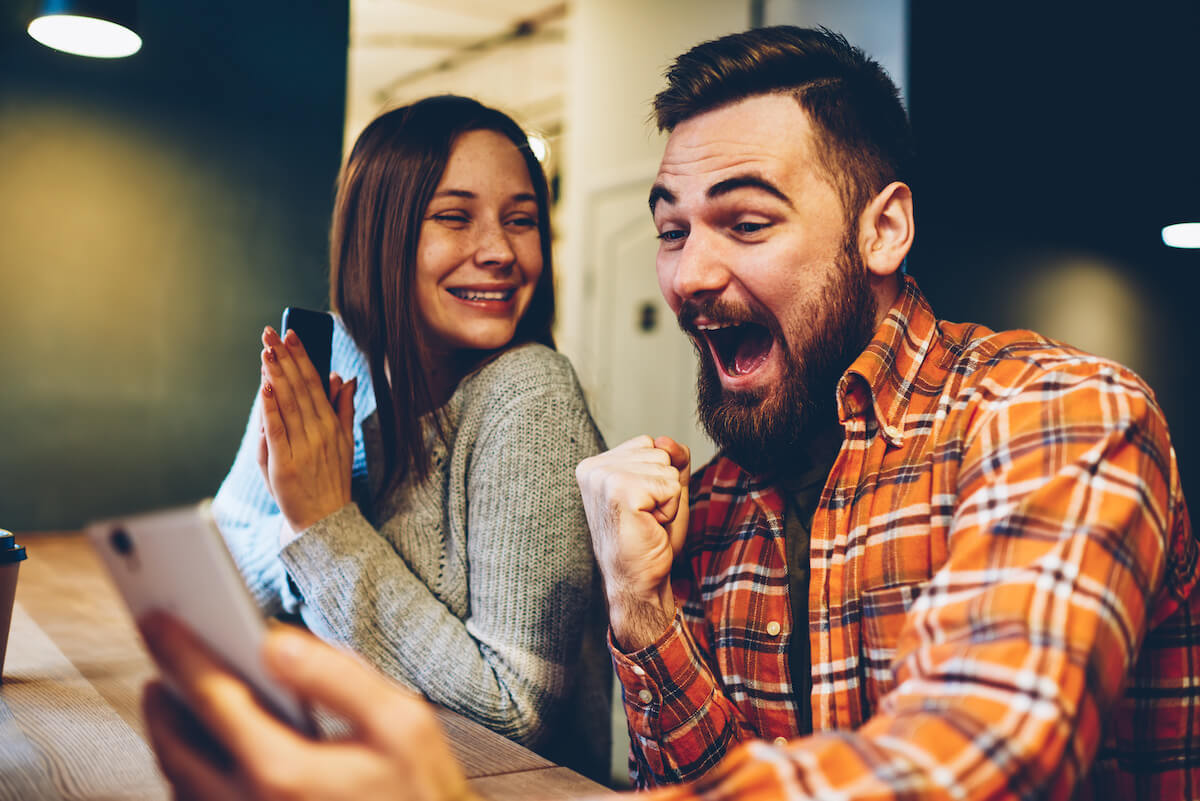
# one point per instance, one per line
(479, 256)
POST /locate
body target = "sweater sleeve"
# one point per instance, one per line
(246, 512)
(508, 663)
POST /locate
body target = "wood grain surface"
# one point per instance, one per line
(70, 722)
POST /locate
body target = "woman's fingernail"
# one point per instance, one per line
(268, 390)
(271, 355)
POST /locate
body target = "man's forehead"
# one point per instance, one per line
(768, 134)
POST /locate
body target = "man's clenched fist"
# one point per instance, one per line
(636, 500)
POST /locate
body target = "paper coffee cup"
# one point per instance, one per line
(11, 556)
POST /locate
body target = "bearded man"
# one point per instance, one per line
(929, 560)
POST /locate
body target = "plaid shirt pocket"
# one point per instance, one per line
(884, 612)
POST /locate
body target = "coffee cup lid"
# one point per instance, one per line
(9, 550)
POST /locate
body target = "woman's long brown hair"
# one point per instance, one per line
(383, 190)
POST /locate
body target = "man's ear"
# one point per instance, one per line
(886, 229)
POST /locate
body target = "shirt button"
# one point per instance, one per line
(637, 670)
(773, 628)
(646, 696)
(781, 741)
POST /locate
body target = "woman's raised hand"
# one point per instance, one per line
(307, 444)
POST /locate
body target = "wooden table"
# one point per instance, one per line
(70, 725)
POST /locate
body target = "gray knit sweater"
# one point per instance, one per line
(476, 586)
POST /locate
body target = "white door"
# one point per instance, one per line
(642, 368)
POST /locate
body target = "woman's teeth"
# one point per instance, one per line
(479, 294)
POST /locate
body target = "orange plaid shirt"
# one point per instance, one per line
(1001, 599)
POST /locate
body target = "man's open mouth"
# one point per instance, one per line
(740, 348)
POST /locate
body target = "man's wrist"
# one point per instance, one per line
(639, 622)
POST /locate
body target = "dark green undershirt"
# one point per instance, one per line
(801, 492)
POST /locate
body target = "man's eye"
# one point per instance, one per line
(671, 236)
(750, 227)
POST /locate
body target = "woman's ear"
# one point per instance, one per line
(886, 229)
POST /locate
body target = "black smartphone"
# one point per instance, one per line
(315, 330)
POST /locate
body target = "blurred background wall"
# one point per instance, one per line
(156, 212)
(1056, 140)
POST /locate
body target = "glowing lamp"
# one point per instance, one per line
(95, 28)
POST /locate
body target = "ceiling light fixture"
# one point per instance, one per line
(1182, 235)
(539, 146)
(96, 28)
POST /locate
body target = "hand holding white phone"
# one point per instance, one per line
(175, 561)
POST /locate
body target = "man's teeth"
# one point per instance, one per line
(479, 294)
(717, 326)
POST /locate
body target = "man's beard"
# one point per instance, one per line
(766, 430)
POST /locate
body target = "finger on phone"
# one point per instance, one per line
(282, 362)
(223, 703)
(295, 407)
(306, 382)
(275, 430)
(306, 374)
(196, 771)
(345, 405)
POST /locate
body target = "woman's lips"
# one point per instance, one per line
(483, 295)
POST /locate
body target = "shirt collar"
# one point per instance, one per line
(882, 378)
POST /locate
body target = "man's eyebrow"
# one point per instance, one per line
(747, 182)
(659, 192)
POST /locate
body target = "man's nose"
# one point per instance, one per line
(700, 268)
(492, 248)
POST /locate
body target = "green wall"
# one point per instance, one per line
(155, 213)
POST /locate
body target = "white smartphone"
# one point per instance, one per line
(176, 561)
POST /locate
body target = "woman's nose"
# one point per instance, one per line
(493, 249)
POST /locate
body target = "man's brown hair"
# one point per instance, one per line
(864, 141)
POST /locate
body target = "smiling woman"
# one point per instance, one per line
(479, 257)
(425, 513)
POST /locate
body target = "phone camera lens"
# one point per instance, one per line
(121, 542)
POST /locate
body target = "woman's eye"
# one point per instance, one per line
(524, 222)
(451, 217)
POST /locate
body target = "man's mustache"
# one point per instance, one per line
(722, 312)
